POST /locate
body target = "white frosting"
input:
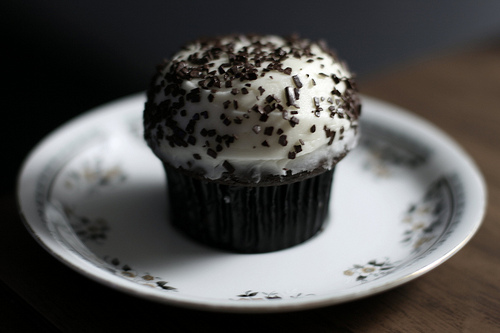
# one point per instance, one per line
(317, 110)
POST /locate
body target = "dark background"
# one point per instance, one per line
(61, 58)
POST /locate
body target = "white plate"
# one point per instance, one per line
(404, 201)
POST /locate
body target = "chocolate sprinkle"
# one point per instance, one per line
(294, 121)
(269, 130)
(290, 97)
(296, 93)
(329, 134)
(228, 166)
(297, 82)
(269, 98)
(211, 153)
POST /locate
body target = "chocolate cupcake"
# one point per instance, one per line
(249, 130)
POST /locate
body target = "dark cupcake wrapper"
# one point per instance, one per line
(248, 219)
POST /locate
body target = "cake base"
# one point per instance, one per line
(246, 219)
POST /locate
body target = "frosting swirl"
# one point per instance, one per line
(246, 107)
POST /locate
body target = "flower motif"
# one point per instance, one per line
(251, 295)
(145, 279)
(371, 270)
(87, 229)
(94, 175)
(424, 220)
(386, 154)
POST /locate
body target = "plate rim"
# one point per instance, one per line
(252, 306)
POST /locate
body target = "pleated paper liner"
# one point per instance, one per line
(248, 219)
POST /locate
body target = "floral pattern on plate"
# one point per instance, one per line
(386, 150)
(146, 279)
(426, 219)
(251, 295)
(371, 270)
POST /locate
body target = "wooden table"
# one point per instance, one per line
(458, 91)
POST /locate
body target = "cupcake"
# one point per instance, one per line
(249, 130)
